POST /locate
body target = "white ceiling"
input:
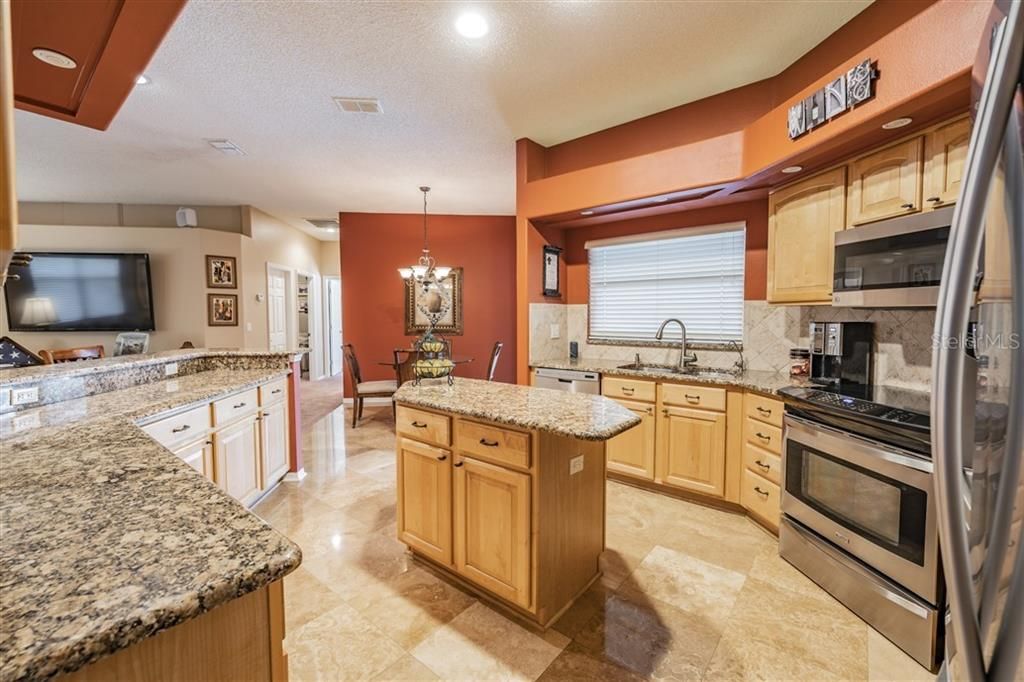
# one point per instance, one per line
(263, 74)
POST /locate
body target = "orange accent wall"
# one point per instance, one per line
(754, 213)
(375, 245)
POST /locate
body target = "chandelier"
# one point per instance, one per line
(426, 272)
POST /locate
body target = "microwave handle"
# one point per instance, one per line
(956, 295)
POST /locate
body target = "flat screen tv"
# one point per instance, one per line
(73, 292)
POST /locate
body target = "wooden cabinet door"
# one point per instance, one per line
(945, 151)
(237, 459)
(632, 452)
(199, 456)
(691, 451)
(274, 444)
(425, 499)
(802, 221)
(492, 528)
(886, 183)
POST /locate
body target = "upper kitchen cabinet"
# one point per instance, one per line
(802, 219)
(78, 61)
(945, 151)
(886, 183)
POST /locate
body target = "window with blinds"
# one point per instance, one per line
(694, 274)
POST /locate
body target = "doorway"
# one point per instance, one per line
(277, 307)
(332, 325)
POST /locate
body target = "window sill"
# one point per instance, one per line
(654, 343)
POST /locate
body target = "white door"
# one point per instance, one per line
(333, 302)
(277, 309)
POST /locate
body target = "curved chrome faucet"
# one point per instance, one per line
(684, 358)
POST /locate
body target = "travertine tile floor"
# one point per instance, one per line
(688, 592)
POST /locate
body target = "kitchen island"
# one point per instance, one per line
(502, 488)
(119, 559)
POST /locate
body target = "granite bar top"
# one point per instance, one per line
(587, 417)
(109, 538)
(754, 380)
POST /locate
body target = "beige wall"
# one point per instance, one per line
(330, 259)
(177, 263)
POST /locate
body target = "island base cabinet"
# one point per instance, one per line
(274, 444)
(198, 455)
(425, 499)
(236, 456)
(492, 528)
(692, 450)
(632, 452)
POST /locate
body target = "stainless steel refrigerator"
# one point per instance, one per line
(977, 409)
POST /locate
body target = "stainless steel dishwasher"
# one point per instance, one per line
(571, 380)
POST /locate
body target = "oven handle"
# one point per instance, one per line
(956, 295)
(881, 450)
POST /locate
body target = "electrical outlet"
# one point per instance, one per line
(171, 387)
(248, 326)
(555, 333)
(575, 465)
(24, 396)
(170, 369)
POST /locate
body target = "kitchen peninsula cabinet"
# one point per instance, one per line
(802, 221)
(502, 488)
(198, 455)
(236, 459)
(886, 183)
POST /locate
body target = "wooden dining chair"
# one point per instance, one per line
(57, 355)
(495, 354)
(404, 365)
(382, 388)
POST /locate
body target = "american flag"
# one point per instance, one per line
(13, 354)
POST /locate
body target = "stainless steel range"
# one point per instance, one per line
(859, 515)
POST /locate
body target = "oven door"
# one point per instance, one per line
(895, 263)
(868, 498)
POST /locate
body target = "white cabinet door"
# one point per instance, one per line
(274, 442)
(237, 459)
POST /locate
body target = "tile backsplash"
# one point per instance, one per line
(903, 339)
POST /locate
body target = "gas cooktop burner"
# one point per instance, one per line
(893, 406)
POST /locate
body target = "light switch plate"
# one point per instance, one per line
(24, 396)
(575, 465)
(170, 369)
(555, 332)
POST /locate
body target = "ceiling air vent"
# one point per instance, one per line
(325, 224)
(358, 105)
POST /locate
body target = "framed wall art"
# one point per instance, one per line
(445, 305)
(552, 265)
(221, 272)
(222, 310)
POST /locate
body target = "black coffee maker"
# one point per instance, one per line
(841, 353)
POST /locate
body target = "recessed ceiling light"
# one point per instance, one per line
(54, 58)
(471, 25)
(898, 123)
(792, 169)
(142, 79)
(586, 213)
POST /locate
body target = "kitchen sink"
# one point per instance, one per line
(690, 370)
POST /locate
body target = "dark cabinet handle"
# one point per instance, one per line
(458, 464)
(757, 489)
(766, 467)
(628, 391)
(763, 437)
(209, 442)
(907, 206)
(489, 443)
(691, 397)
(933, 200)
(235, 407)
(275, 391)
(442, 458)
(763, 410)
(419, 425)
(185, 427)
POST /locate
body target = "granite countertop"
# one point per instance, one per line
(754, 380)
(109, 538)
(587, 417)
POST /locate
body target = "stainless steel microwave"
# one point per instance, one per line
(894, 263)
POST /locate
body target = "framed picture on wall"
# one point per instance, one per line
(416, 298)
(222, 310)
(552, 262)
(221, 272)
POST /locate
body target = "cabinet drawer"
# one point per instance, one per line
(704, 397)
(493, 444)
(628, 389)
(227, 409)
(763, 435)
(760, 497)
(181, 427)
(763, 409)
(273, 391)
(762, 462)
(422, 425)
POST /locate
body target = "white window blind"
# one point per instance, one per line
(636, 284)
